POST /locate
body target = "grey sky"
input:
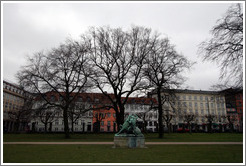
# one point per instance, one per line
(32, 27)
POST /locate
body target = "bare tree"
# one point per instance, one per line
(163, 71)
(226, 45)
(74, 114)
(63, 70)
(47, 114)
(210, 118)
(231, 120)
(118, 57)
(147, 115)
(167, 118)
(99, 116)
(188, 118)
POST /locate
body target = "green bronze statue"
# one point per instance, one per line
(129, 127)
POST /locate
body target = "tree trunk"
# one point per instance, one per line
(66, 127)
(189, 126)
(16, 126)
(72, 125)
(120, 117)
(160, 112)
(45, 127)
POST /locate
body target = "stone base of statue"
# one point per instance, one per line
(129, 141)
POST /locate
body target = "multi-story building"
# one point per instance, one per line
(14, 98)
(94, 120)
(145, 109)
(202, 105)
(234, 107)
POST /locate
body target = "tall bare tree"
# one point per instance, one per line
(118, 57)
(63, 70)
(226, 45)
(163, 71)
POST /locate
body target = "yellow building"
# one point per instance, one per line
(13, 101)
(198, 104)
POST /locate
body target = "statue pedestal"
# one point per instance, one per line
(129, 142)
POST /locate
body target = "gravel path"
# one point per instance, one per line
(111, 143)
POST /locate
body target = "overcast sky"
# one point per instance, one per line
(32, 27)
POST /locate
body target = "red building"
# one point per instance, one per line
(234, 106)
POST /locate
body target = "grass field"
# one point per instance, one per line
(109, 137)
(107, 154)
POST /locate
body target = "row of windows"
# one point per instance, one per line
(12, 107)
(211, 105)
(194, 97)
(108, 123)
(203, 112)
(136, 107)
(104, 115)
(12, 98)
(62, 129)
(202, 119)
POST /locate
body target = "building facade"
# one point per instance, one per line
(14, 98)
(234, 107)
(90, 118)
(196, 104)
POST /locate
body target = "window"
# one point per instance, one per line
(212, 105)
(213, 111)
(184, 97)
(56, 122)
(218, 105)
(190, 104)
(109, 115)
(201, 98)
(190, 98)
(191, 111)
(184, 104)
(202, 111)
(88, 99)
(195, 104)
(52, 98)
(195, 97)
(114, 115)
(201, 105)
(56, 129)
(222, 105)
(179, 103)
(80, 99)
(109, 123)
(196, 111)
(102, 123)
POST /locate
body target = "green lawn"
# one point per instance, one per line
(109, 137)
(107, 154)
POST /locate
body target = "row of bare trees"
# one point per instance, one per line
(122, 62)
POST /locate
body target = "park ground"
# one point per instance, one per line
(104, 153)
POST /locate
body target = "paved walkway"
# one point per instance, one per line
(111, 143)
